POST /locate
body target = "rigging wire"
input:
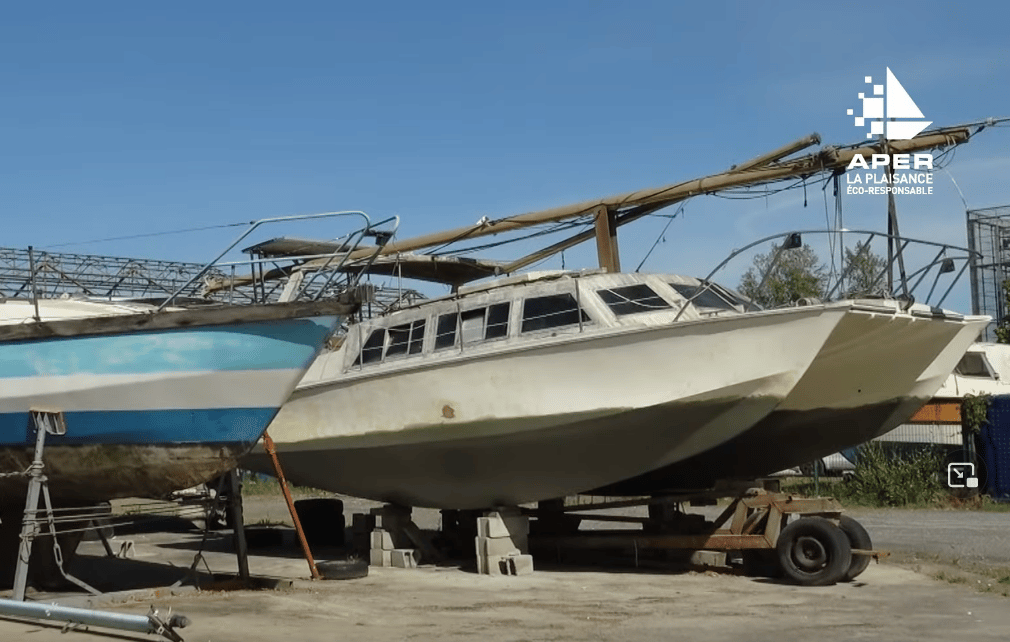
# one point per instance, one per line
(558, 227)
(131, 237)
(669, 219)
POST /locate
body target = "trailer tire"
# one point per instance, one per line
(343, 569)
(814, 552)
(858, 538)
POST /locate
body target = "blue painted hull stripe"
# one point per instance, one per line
(145, 427)
(267, 345)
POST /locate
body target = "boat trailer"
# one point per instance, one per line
(807, 540)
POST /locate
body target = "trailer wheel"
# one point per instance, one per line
(858, 538)
(813, 552)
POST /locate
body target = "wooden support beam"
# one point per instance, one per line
(606, 240)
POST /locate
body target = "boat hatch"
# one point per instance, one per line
(552, 311)
(633, 299)
(703, 296)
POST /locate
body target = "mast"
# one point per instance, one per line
(630, 206)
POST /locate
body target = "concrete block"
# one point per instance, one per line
(495, 526)
(492, 547)
(520, 564)
(708, 558)
(381, 540)
(405, 558)
(378, 557)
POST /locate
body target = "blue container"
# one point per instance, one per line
(993, 443)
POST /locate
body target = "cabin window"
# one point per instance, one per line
(371, 352)
(497, 321)
(702, 297)
(554, 311)
(445, 331)
(406, 339)
(632, 299)
(973, 364)
(472, 325)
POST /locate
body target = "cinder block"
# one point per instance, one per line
(495, 526)
(481, 564)
(708, 558)
(482, 527)
(405, 558)
(378, 557)
(382, 540)
(520, 564)
(492, 547)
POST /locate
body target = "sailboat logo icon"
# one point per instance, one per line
(893, 114)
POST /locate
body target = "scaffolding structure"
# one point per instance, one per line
(989, 235)
(92, 276)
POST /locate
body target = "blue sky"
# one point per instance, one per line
(122, 118)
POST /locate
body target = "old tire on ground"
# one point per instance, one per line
(813, 552)
(858, 538)
(343, 569)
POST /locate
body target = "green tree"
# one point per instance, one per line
(797, 273)
(863, 271)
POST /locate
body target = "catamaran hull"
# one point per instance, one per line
(148, 412)
(540, 422)
(845, 398)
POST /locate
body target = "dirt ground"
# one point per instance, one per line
(890, 601)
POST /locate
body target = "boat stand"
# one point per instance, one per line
(819, 546)
(53, 423)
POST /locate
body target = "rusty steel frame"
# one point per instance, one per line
(738, 536)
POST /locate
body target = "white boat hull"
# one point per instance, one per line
(873, 373)
(545, 419)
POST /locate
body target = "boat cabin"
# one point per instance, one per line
(529, 308)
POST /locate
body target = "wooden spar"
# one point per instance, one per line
(606, 240)
(824, 160)
(778, 154)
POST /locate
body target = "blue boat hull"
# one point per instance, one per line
(149, 412)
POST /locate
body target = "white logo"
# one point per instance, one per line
(961, 475)
(882, 115)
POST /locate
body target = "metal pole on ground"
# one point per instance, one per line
(268, 445)
(149, 623)
(238, 523)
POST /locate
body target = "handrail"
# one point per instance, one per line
(357, 236)
(707, 283)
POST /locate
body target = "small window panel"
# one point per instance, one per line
(445, 331)
(417, 337)
(472, 326)
(406, 339)
(371, 352)
(497, 321)
(554, 311)
(399, 338)
(974, 364)
(632, 299)
(702, 297)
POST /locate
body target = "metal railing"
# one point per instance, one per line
(945, 261)
(333, 263)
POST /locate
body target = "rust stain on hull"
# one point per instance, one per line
(93, 473)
